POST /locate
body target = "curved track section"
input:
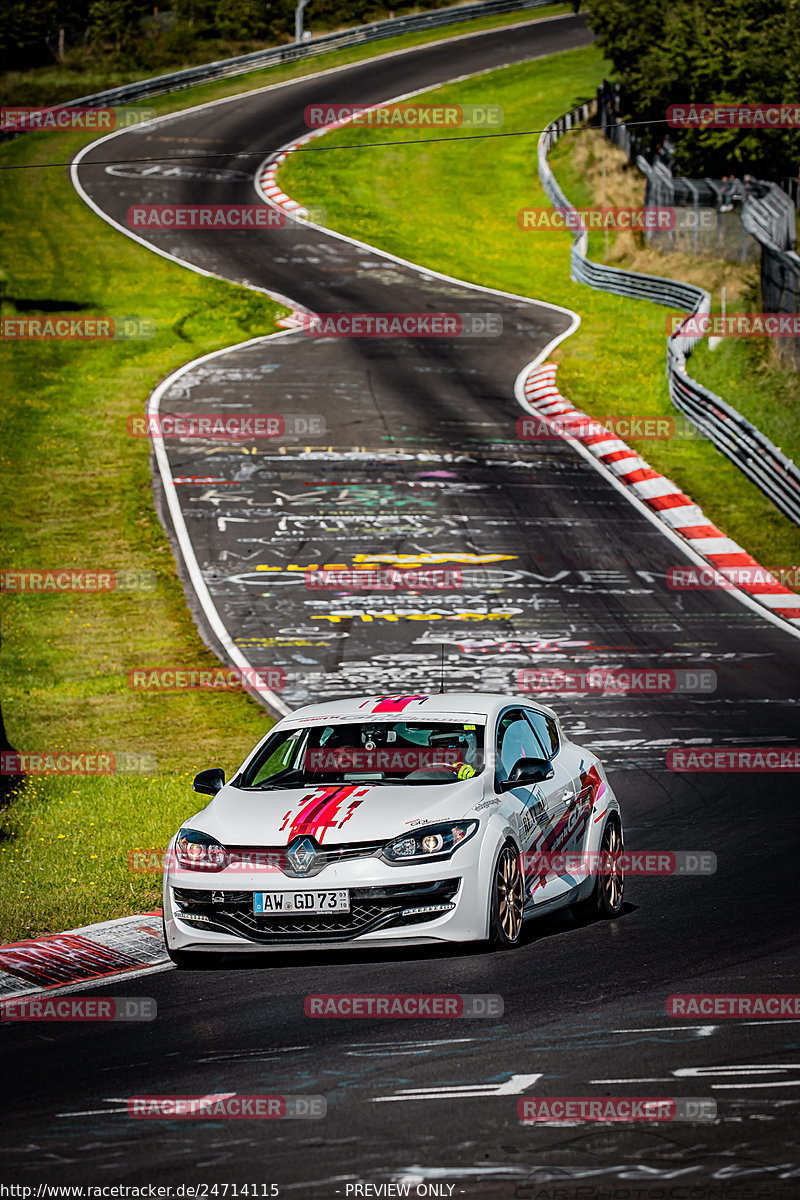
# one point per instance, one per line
(403, 417)
(420, 460)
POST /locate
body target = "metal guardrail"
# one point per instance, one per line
(771, 221)
(291, 52)
(771, 218)
(744, 444)
(716, 229)
(764, 226)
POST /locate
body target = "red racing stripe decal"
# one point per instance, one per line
(321, 810)
(393, 704)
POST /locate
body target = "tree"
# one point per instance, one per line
(708, 51)
(117, 21)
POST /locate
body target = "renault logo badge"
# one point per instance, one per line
(301, 855)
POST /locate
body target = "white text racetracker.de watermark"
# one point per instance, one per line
(51, 580)
(541, 428)
(79, 1008)
(390, 579)
(403, 324)
(715, 115)
(77, 762)
(399, 1006)
(722, 578)
(735, 325)
(206, 217)
(631, 862)
(615, 1108)
(619, 219)
(635, 681)
(405, 116)
(29, 119)
(217, 1191)
(66, 327)
(227, 1106)
(227, 426)
(738, 758)
(221, 679)
(735, 1004)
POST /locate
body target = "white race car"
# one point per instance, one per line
(395, 821)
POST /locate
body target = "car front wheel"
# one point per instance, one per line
(507, 900)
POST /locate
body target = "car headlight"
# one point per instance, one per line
(429, 842)
(196, 851)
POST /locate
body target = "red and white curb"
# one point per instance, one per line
(266, 176)
(270, 187)
(672, 506)
(296, 319)
(125, 947)
(269, 190)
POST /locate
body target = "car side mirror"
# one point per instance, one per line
(209, 782)
(527, 771)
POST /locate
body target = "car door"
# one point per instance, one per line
(535, 810)
(554, 748)
(566, 815)
(569, 832)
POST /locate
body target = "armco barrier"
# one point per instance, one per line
(736, 437)
(771, 221)
(291, 52)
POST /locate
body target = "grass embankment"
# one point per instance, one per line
(747, 372)
(57, 83)
(79, 496)
(453, 206)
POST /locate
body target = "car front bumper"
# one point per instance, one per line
(407, 905)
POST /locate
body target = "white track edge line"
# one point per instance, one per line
(519, 392)
(288, 147)
(187, 550)
(284, 83)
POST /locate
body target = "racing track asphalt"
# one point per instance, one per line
(421, 440)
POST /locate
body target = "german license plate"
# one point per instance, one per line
(267, 903)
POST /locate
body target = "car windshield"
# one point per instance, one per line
(375, 752)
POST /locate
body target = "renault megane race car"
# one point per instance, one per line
(392, 821)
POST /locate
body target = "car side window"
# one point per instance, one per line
(515, 739)
(546, 731)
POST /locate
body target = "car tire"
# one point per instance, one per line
(507, 899)
(604, 902)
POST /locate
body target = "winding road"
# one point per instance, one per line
(420, 459)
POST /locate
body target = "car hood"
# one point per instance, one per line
(332, 814)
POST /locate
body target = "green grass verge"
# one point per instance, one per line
(65, 847)
(52, 85)
(747, 375)
(453, 206)
(79, 495)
